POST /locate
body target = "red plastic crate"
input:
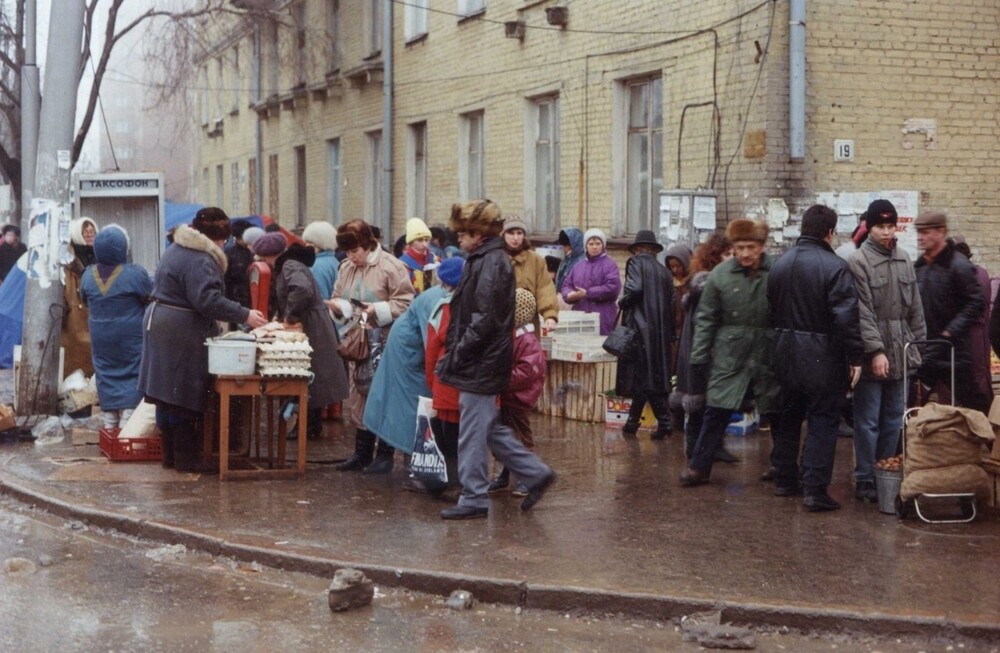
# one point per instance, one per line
(136, 449)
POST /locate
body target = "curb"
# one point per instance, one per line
(557, 598)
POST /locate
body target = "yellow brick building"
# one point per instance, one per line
(576, 113)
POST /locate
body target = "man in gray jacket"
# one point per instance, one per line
(891, 315)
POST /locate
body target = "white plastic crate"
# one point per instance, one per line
(578, 348)
(578, 322)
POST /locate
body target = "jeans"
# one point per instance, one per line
(878, 418)
(823, 411)
(713, 430)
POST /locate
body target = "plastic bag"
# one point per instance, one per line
(48, 431)
(427, 463)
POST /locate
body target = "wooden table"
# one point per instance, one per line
(261, 390)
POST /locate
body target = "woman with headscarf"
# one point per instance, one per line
(322, 237)
(379, 285)
(116, 294)
(75, 330)
(300, 303)
(571, 240)
(188, 303)
(592, 286)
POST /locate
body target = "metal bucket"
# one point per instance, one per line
(887, 484)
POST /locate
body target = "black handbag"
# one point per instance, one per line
(622, 342)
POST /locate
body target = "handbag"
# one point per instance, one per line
(364, 370)
(622, 342)
(354, 345)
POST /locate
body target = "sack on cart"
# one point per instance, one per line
(944, 447)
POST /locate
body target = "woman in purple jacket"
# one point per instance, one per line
(592, 286)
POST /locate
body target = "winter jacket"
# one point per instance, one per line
(979, 342)
(528, 376)
(8, 257)
(480, 343)
(682, 365)
(391, 406)
(888, 304)
(300, 302)
(647, 303)
(952, 301)
(445, 397)
(420, 278)
(814, 312)
(600, 277)
(116, 305)
(531, 273)
(75, 338)
(382, 281)
(576, 254)
(188, 301)
(734, 337)
(238, 259)
(324, 270)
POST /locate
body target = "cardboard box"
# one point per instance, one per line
(8, 419)
(616, 411)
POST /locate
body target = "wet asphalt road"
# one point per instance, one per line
(92, 591)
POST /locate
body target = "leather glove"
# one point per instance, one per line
(698, 380)
(693, 404)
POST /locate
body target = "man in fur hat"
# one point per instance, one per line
(731, 355)
(479, 361)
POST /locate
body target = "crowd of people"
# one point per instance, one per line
(809, 336)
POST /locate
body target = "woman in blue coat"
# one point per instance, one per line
(116, 293)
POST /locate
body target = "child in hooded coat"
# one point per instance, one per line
(526, 382)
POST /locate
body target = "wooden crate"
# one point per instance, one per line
(575, 390)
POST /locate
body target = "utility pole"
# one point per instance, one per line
(38, 382)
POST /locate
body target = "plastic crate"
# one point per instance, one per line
(134, 450)
(577, 322)
(578, 348)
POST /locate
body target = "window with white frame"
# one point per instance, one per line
(333, 180)
(375, 179)
(234, 187)
(541, 163)
(220, 87)
(203, 94)
(300, 186)
(333, 34)
(470, 7)
(373, 24)
(415, 19)
(234, 81)
(299, 23)
(642, 165)
(416, 171)
(273, 79)
(471, 173)
(218, 185)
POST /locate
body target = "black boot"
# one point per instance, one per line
(384, 460)
(364, 442)
(167, 445)
(634, 415)
(501, 481)
(661, 409)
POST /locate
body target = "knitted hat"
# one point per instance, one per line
(744, 229)
(416, 229)
(321, 234)
(880, 212)
(270, 244)
(111, 245)
(595, 233)
(525, 308)
(480, 216)
(450, 270)
(76, 230)
(251, 235)
(514, 222)
(213, 222)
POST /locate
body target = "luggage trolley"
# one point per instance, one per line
(966, 501)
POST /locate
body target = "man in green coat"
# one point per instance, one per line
(731, 354)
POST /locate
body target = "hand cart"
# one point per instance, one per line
(965, 502)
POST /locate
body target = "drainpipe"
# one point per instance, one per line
(258, 128)
(31, 101)
(797, 79)
(387, 117)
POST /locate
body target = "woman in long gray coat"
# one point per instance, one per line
(300, 302)
(188, 301)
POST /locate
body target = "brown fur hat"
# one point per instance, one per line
(354, 234)
(213, 222)
(479, 216)
(744, 229)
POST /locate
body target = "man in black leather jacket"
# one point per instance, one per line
(952, 301)
(817, 352)
(478, 361)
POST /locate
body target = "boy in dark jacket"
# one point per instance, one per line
(479, 360)
(526, 381)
